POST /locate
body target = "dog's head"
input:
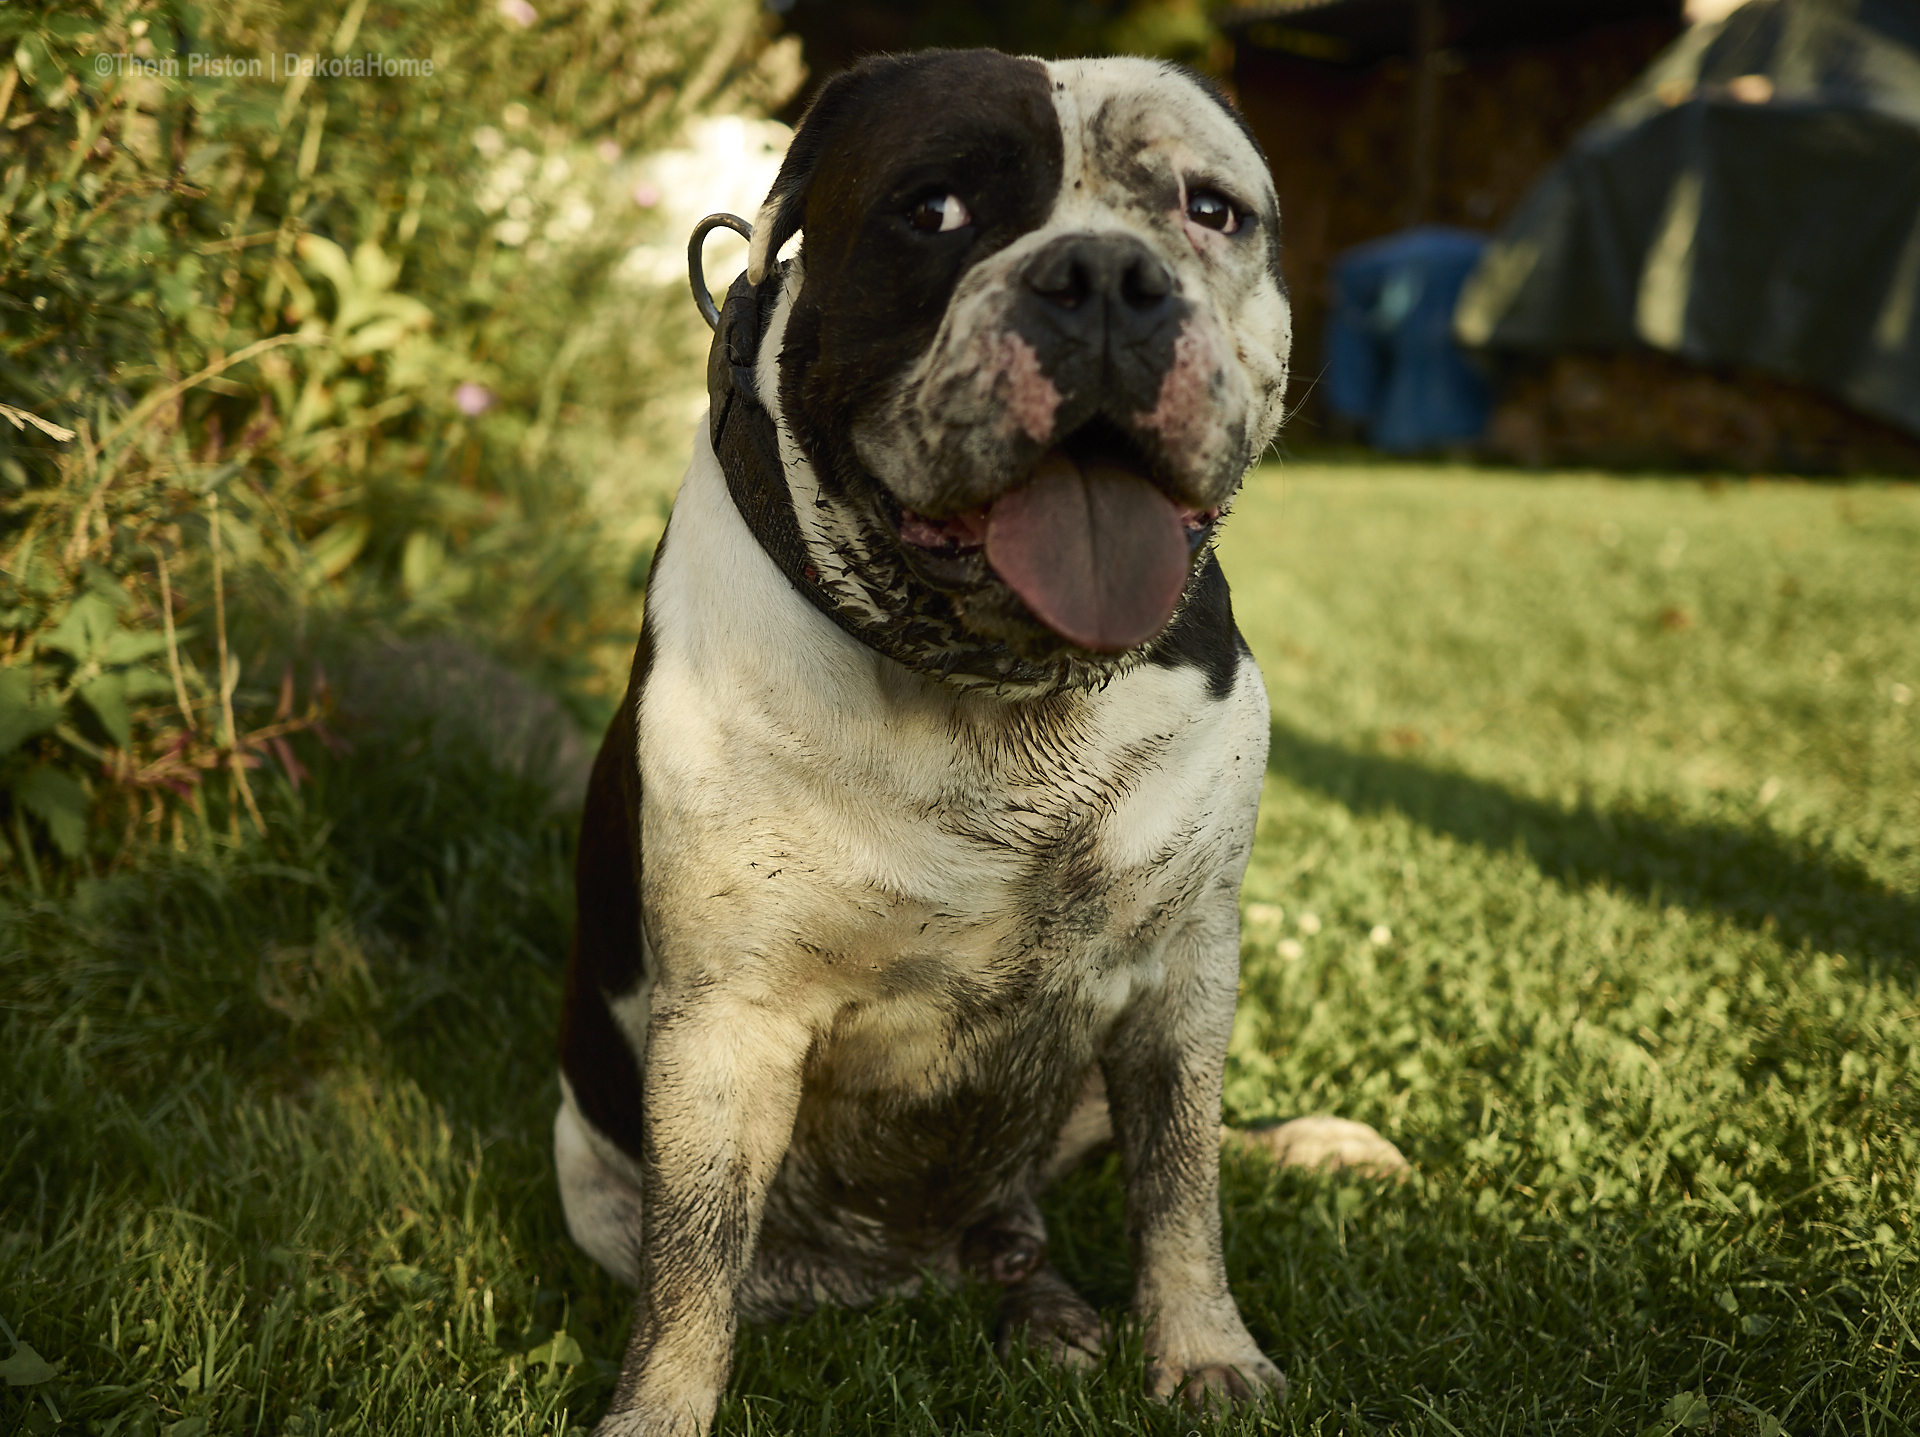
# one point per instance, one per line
(1035, 336)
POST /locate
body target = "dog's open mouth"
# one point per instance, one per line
(1091, 546)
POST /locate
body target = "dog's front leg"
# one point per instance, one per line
(1163, 1065)
(722, 1084)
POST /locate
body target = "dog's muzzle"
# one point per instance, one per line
(1095, 540)
(1095, 550)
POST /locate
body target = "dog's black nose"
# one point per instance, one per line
(1104, 279)
(1101, 311)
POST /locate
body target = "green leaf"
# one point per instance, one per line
(126, 646)
(23, 713)
(57, 800)
(424, 556)
(144, 682)
(69, 27)
(1754, 1324)
(100, 580)
(1688, 1409)
(26, 1367)
(327, 257)
(180, 291)
(1726, 1301)
(84, 629)
(562, 1351)
(372, 270)
(107, 697)
(339, 546)
(374, 336)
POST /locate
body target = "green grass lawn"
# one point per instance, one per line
(1589, 871)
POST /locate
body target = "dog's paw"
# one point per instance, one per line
(1204, 1356)
(1326, 1143)
(661, 1410)
(1252, 1378)
(1054, 1320)
(638, 1422)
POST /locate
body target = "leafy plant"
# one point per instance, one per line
(307, 318)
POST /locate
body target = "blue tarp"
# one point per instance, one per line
(1393, 366)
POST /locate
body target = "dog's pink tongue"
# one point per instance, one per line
(1098, 554)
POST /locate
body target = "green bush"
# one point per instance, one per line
(331, 348)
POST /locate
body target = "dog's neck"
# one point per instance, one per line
(748, 448)
(923, 636)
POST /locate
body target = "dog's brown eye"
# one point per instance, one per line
(938, 213)
(1213, 211)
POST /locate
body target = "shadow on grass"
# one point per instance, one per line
(1758, 879)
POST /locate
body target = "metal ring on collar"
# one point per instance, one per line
(696, 268)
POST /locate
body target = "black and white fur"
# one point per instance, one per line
(893, 902)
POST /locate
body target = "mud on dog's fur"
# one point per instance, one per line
(909, 867)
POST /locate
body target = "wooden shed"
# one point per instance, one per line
(1379, 114)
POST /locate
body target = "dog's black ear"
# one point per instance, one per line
(785, 209)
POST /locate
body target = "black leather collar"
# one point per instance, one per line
(748, 448)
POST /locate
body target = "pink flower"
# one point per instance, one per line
(646, 196)
(608, 151)
(472, 399)
(518, 11)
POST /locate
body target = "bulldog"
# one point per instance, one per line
(909, 867)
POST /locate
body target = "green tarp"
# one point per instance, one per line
(1753, 199)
